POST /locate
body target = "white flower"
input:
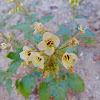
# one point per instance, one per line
(38, 28)
(26, 54)
(49, 43)
(69, 60)
(37, 60)
(3, 45)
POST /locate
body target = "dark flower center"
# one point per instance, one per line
(29, 53)
(50, 43)
(67, 57)
(39, 58)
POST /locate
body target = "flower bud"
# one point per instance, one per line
(21, 4)
(3, 45)
(10, 1)
(41, 53)
(22, 64)
(38, 28)
(73, 42)
(33, 68)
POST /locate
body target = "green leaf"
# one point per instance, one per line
(90, 40)
(71, 49)
(17, 84)
(44, 91)
(18, 50)
(26, 85)
(88, 33)
(62, 75)
(49, 78)
(34, 3)
(65, 38)
(13, 55)
(75, 82)
(2, 22)
(31, 18)
(80, 16)
(35, 38)
(2, 76)
(9, 85)
(73, 24)
(13, 67)
(45, 19)
(64, 32)
(61, 26)
(58, 89)
(24, 27)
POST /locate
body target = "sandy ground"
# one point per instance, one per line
(87, 67)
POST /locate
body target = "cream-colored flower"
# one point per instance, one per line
(69, 60)
(38, 28)
(73, 42)
(37, 60)
(82, 31)
(3, 45)
(26, 55)
(49, 43)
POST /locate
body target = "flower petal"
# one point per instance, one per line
(36, 62)
(68, 64)
(22, 55)
(47, 35)
(41, 65)
(56, 40)
(74, 57)
(35, 32)
(25, 48)
(64, 64)
(49, 51)
(42, 45)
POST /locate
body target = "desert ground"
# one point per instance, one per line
(88, 66)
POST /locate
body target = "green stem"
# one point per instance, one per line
(63, 47)
(32, 42)
(81, 1)
(58, 60)
(10, 42)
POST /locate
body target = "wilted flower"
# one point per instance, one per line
(0, 34)
(26, 54)
(38, 28)
(37, 60)
(9, 35)
(69, 60)
(3, 45)
(49, 43)
(82, 31)
(73, 42)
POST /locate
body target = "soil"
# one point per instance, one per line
(88, 66)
